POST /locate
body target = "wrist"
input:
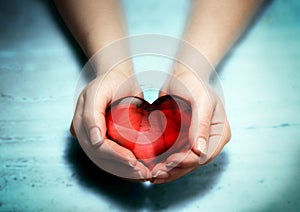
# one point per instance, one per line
(125, 68)
(192, 59)
(204, 73)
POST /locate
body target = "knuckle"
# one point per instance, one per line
(204, 126)
(88, 120)
(77, 116)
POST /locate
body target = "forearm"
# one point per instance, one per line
(215, 25)
(94, 23)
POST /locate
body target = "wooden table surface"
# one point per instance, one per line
(43, 169)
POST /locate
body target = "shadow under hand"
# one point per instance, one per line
(132, 195)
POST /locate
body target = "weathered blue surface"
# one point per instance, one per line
(43, 169)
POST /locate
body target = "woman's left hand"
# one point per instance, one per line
(209, 130)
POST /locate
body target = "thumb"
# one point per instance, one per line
(202, 112)
(94, 117)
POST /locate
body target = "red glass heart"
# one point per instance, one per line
(151, 131)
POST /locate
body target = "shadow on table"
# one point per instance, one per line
(131, 195)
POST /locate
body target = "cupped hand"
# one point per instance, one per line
(209, 130)
(89, 125)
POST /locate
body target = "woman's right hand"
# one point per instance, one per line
(89, 124)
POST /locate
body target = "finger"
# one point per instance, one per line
(107, 154)
(174, 174)
(77, 115)
(94, 113)
(183, 160)
(139, 172)
(110, 156)
(219, 135)
(110, 150)
(217, 143)
(144, 171)
(202, 112)
(178, 165)
(107, 150)
(159, 171)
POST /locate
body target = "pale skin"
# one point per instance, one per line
(212, 28)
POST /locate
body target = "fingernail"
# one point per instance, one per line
(170, 165)
(140, 174)
(201, 146)
(130, 164)
(95, 136)
(161, 174)
(157, 173)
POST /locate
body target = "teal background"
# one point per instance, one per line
(43, 169)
